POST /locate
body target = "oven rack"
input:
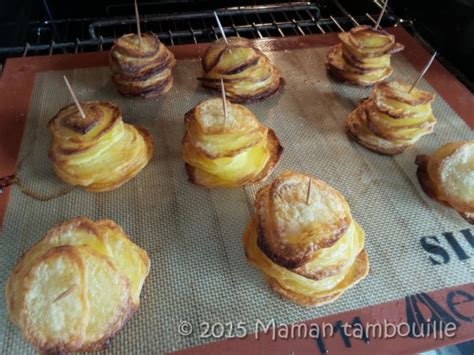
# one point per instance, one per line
(77, 35)
(274, 20)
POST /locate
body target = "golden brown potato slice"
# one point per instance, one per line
(408, 128)
(446, 175)
(340, 70)
(78, 231)
(250, 90)
(77, 133)
(129, 259)
(56, 309)
(290, 230)
(451, 168)
(254, 165)
(258, 70)
(357, 272)
(303, 300)
(365, 41)
(237, 54)
(154, 86)
(365, 64)
(337, 59)
(236, 60)
(251, 85)
(145, 46)
(330, 261)
(215, 136)
(393, 99)
(109, 295)
(209, 116)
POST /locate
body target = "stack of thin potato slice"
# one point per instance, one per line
(98, 152)
(227, 151)
(448, 176)
(363, 57)
(392, 119)
(306, 243)
(247, 73)
(78, 286)
(141, 67)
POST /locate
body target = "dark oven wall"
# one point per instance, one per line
(448, 26)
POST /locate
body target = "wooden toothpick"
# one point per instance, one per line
(220, 28)
(425, 69)
(308, 192)
(224, 102)
(76, 101)
(381, 15)
(137, 18)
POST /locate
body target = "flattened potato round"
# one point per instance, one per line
(77, 286)
(56, 308)
(110, 297)
(76, 232)
(130, 260)
(292, 231)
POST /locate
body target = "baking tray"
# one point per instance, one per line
(199, 273)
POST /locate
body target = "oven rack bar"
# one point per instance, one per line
(274, 20)
(277, 20)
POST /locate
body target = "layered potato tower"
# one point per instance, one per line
(448, 176)
(363, 57)
(141, 69)
(75, 288)
(247, 73)
(227, 152)
(98, 152)
(309, 252)
(392, 119)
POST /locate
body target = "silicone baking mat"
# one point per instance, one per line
(194, 236)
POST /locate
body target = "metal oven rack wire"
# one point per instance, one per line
(274, 20)
(76, 35)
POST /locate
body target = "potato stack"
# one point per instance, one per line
(363, 57)
(78, 286)
(305, 241)
(247, 73)
(448, 176)
(227, 151)
(98, 152)
(392, 119)
(141, 68)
